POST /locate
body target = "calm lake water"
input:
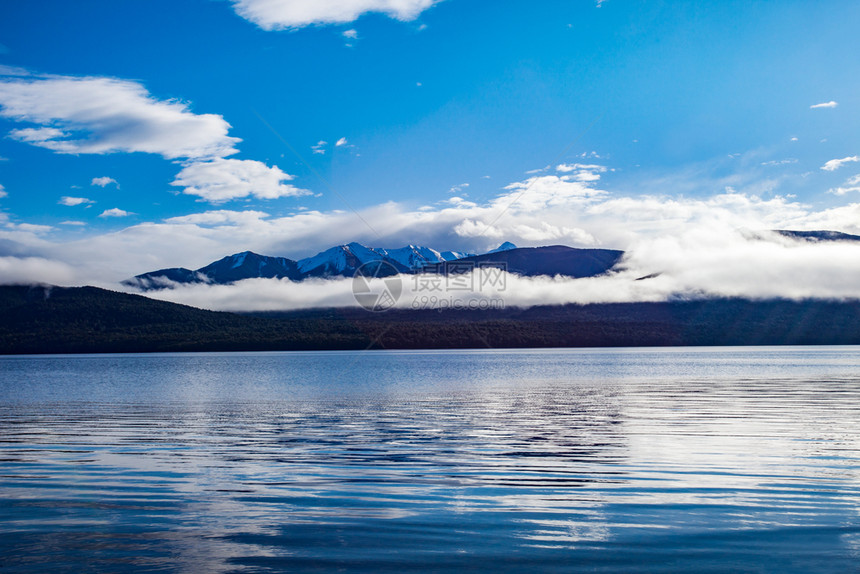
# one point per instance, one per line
(670, 460)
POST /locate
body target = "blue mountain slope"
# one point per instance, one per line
(533, 261)
(232, 268)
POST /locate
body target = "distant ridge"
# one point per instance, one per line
(533, 261)
(818, 235)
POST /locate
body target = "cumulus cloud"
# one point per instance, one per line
(319, 148)
(835, 164)
(830, 104)
(97, 115)
(3, 191)
(72, 201)
(104, 181)
(341, 142)
(292, 14)
(221, 180)
(115, 212)
(105, 115)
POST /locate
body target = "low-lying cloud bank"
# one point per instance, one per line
(696, 265)
(24, 270)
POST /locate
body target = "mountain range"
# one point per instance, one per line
(346, 260)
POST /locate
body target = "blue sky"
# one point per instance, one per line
(178, 132)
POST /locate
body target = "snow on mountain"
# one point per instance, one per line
(417, 257)
(506, 246)
(412, 256)
(338, 261)
(345, 259)
(452, 255)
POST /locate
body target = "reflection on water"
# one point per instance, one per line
(626, 460)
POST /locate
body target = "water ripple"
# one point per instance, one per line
(653, 460)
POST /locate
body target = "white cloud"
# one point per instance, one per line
(539, 170)
(104, 181)
(835, 164)
(96, 115)
(115, 212)
(582, 172)
(319, 148)
(30, 228)
(541, 210)
(13, 71)
(341, 142)
(221, 217)
(830, 104)
(291, 14)
(72, 201)
(28, 270)
(221, 180)
(460, 202)
(852, 184)
(73, 222)
(3, 191)
(350, 34)
(567, 168)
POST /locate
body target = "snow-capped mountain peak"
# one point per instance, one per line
(452, 255)
(506, 246)
(331, 260)
(338, 261)
(412, 256)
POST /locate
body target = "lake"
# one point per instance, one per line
(598, 460)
